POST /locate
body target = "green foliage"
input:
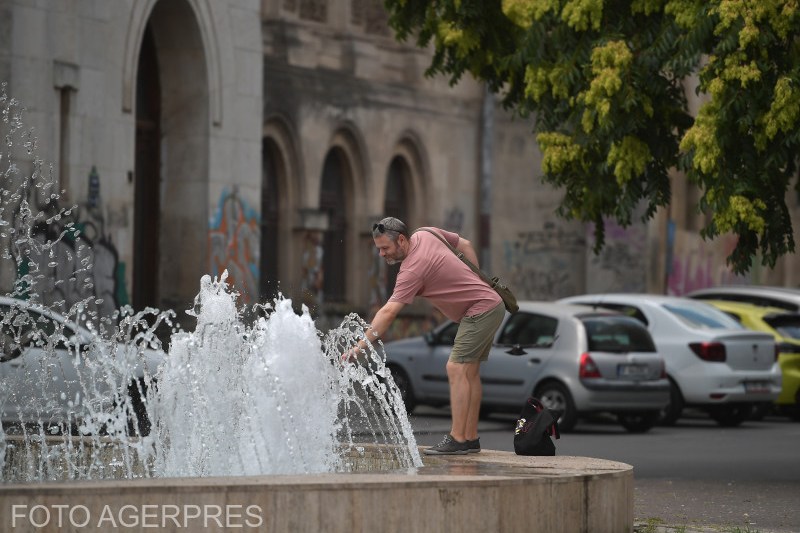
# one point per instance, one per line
(604, 80)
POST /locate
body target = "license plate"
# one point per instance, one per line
(633, 371)
(756, 386)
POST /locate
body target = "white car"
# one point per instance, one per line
(57, 374)
(764, 296)
(576, 360)
(713, 362)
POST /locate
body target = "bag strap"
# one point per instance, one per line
(481, 274)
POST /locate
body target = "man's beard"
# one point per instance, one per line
(396, 259)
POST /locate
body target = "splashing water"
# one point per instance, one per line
(271, 398)
(95, 395)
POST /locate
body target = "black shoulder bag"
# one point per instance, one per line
(535, 427)
(509, 300)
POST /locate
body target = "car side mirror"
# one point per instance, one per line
(516, 350)
(429, 338)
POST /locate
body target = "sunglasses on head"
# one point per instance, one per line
(381, 228)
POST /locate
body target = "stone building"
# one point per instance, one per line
(265, 137)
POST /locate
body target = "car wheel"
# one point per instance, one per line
(639, 422)
(672, 412)
(556, 397)
(404, 386)
(731, 415)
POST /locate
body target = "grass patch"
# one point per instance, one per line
(654, 525)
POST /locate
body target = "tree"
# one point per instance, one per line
(605, 82)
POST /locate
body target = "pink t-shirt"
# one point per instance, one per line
(433, 271)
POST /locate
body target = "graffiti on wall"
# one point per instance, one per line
(234, 239)
(621, 266)
(454, 220)
(71, 257)
(79, 264)
(696, 263)
(546, 263)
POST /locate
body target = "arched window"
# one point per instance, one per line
(332, 201)
(395, 204)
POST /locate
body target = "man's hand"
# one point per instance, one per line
(351, 355)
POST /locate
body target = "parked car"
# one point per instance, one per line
(713, 362)
(785, 327)
(55, 373)
(574, 359)
(781, 297)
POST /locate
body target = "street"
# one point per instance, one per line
(695, 473)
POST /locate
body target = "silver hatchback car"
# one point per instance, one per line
(575, 359)
(713, 362)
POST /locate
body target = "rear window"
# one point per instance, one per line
(755, 299)
(787, 325)
(617, 334)
(702, 316)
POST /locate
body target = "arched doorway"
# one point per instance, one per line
(147, 200)
(334, 244)
(395, 204)
(270, 221)
(172, 159)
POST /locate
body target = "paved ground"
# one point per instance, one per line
(664, 503)
(718, 506)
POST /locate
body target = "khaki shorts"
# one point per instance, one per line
(475, 335)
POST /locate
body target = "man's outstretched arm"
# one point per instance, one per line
(383, 319)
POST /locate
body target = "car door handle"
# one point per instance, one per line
(535, 360)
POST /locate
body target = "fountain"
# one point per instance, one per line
(252, 424)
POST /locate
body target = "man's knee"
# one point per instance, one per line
(463, 369)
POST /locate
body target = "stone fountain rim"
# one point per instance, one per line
(496, 468)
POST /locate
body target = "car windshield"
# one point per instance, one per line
(787, 325)
(702, 316)
(617, 334)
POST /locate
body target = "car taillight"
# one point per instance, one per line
(709, 351)
(663, 370)
(588, 369)
(777, 351)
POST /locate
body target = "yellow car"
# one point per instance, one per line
(786, 329)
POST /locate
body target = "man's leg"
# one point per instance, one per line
(475, 396)
(465, 396)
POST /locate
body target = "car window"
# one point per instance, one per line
(447, 336)
(787, 325)
(702, 316)
(733, 315)
(528, 329)
(617, 334)
(625, 309)
(755, 299)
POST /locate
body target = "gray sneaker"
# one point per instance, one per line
(448, 446)
(474, 446)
